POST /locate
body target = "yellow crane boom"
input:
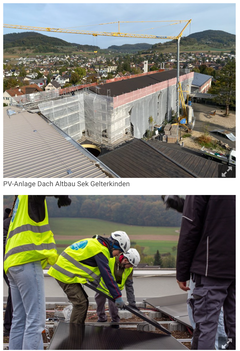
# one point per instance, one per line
(95, 33)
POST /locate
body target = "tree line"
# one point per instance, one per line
(132, 210)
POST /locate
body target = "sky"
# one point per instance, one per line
(142, 18)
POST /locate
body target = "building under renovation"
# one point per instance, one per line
(110, 113)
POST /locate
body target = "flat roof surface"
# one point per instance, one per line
(127, 85)
(139, 159)
(34, 148)
(69, 336)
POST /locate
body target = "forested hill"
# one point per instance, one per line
(133, 210)
(40, 42)
(134, 48)
(214, 36)
(208, 38)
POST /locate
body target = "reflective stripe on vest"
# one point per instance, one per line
(27, 240)
(72, 275)
(30, 247)
(29, 227)
(70, 268)
(79, 265)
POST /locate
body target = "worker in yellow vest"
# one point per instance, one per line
(30, 246)
(122, 269)
(85, 261)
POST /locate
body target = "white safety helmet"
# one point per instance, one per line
(133, 257)
(122, 240)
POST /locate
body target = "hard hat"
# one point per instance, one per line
(121, 240)
(133, 256)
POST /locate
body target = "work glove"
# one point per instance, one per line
(119, 302)
(64, 200)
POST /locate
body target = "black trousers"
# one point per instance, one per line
(8, 312)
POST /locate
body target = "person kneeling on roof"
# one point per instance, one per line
(86, 261)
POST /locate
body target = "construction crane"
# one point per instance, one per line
(185, 120)
(117, 34)
(111, 34)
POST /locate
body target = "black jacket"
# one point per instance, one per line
(207, 238)
(6, 222)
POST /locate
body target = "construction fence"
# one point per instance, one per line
(34, 98)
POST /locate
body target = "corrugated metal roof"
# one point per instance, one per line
(34, 148)
(137, 159)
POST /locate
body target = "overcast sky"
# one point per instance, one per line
(89, 16)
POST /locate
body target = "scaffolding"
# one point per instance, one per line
(104, 124)
(87, 115)
(67, 114)
(95, 117)
(34, 98)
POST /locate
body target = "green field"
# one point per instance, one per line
(84, 227)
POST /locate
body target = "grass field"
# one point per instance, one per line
(151, 238)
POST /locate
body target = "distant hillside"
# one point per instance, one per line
(214, 36)
(40, 43)
(33, 42)
(130, 48)
(207, 39)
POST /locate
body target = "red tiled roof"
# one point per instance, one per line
(27, 89)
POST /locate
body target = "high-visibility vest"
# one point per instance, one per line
(69, 267)
(127, 271)
(27, 240)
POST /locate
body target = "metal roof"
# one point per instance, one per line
(139, 159)
(35, 148)
(188, 159)
(199, 79)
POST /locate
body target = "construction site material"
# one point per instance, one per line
(94, 149)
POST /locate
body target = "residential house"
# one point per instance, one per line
(53, 85)
(201, 83)
(62, 80)
(41, 82)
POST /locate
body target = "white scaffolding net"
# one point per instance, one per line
(89, 116)
(35, 98)
(104, 124)
(67, 114)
